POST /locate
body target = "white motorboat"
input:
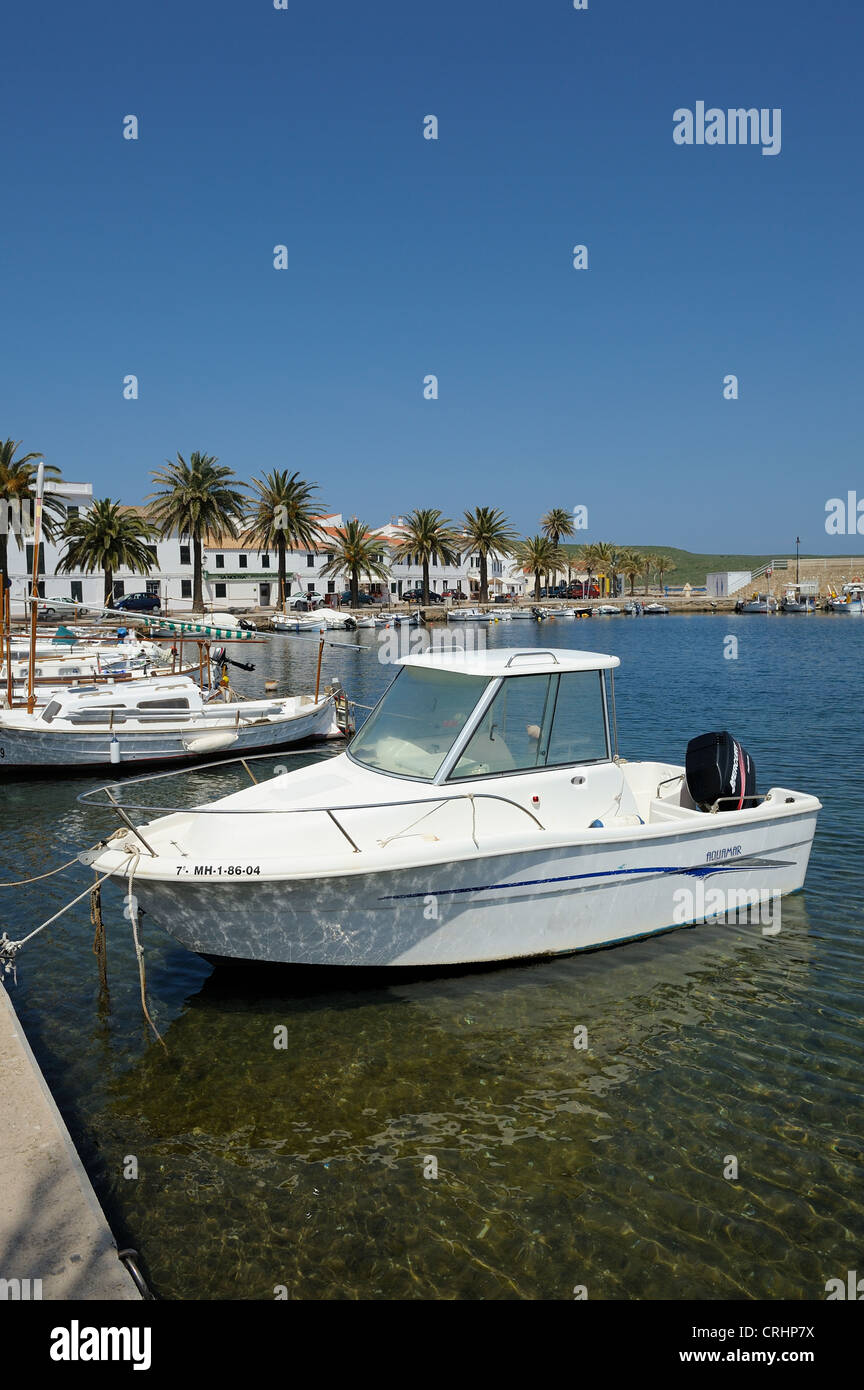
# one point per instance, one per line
(649, 608)
(319, 620)
(796, 600)
(760, 603)
(609, 610)
(167, 718)
(516, 613)
(468, 615)
(481, 813)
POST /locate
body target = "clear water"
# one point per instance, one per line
(306, 1167)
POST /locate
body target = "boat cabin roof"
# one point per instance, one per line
(129, 695)
(512, 661)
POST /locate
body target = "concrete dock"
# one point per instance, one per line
(52, 1227)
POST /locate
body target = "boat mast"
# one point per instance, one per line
(7, 629)
(34, 592)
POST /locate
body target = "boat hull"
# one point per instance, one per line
(487, 907)
(37, 748)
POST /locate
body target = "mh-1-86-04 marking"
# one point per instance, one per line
(219, 870)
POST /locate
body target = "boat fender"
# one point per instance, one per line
(596, 825)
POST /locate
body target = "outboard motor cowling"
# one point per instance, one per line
(718, 769)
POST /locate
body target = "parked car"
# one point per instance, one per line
(138, 603)
(60, 610)
(301, 603)
(416, 596)
(363, 600)
(504, 598)
(454, 594)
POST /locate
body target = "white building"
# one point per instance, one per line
(236, 575)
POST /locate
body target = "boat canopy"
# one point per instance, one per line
(453, 716)
(512, 661)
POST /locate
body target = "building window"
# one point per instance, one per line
(154, 554)
(119, 588)
(393, 588)
(77, 590)
(30, 559)
(185, 588)
(220, 562)
(265, 562)
(310, 588)
(220, 590)
(185, 554)
(243, 562)
(310, 561)
(331, 586)
(71, 511)
(153, 587)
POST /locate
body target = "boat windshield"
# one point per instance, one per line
(416, 724)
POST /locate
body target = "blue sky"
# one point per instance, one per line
(406, 257)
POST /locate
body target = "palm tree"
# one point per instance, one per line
(17, 485)
(664, 565)
(648, 564)
(538, 555)
(588, 560)
(108, 538)
(283, 518)
(607, 557)
(195, 498)
(556, 523)
(631, 567)
(355, 552)
(426, 533)
(488, 531)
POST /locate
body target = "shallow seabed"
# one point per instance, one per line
(309, 1166)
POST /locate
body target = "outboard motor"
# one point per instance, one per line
(219, 658)
(718, 769)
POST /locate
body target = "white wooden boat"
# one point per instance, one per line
(851, 600)
(162, 719)
(761, 603)
(319, 620)
(481, 813)
(65, 670)
(468, 615)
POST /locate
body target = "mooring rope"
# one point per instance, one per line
(9, 949)
(22, 882)
(139, 951)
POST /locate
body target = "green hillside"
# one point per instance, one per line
(691, 566)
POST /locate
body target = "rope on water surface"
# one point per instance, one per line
(22, 882)
(9, 949)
